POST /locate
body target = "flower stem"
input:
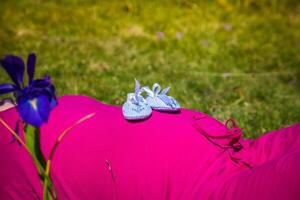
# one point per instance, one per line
(11, 131)
(48, 190)
(63, 134)
(46, 179)
(15, 135)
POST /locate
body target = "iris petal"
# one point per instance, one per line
(34, 111)
(6, 88)
(53, 101)
(14, 66)
(31, 66)
(40, 83)
(45, 85)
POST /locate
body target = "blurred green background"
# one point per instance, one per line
(224, 57)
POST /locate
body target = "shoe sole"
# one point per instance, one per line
(166, 109)
(136, 118)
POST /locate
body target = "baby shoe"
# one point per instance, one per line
(136, 107)
(159, 100)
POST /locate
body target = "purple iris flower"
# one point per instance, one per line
(34, 101)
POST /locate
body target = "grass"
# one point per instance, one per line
(225, 58)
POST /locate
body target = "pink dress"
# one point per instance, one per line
(183, 156)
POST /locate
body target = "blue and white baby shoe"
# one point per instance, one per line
(136, 107)
(160, 100)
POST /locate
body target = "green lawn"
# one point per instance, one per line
(225, 58)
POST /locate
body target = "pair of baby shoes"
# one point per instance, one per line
(138, 108)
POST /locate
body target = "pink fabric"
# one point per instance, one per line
(169, 156)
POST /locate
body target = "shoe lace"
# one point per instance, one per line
(157, 93)
(136, 98)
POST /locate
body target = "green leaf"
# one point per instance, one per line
(32, 137)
